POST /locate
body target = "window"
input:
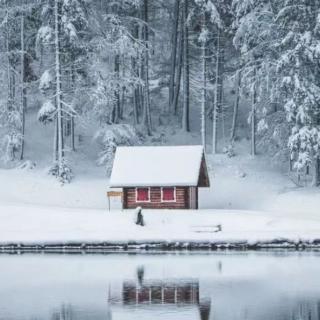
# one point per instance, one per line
(143, 194)
(168, 194)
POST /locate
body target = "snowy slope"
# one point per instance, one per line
(259, 202)
(238, 183)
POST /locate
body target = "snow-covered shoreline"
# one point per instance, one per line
(50, 228)
(263, 209)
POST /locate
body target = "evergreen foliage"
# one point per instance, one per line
(130, 67)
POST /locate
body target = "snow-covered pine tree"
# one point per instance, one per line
(62, 21)
(118, 39)
(60, 170)
(208, 15)
(74, 53)
(299, 68)
(19, 72)
(10, 117)
(255, 37)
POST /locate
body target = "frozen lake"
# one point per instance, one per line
(197, 286)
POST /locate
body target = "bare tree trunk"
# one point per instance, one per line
(253, 114)
(316, 177)
(10, 99)
(186, 72)
(122, 103)
(141, 98)
(116, 107)
(73, 147)
(55, 141)
(23, 88)
(72, 118)
(9, 78)
(204, 86)
(147, 114)
(123, 92)
(235, 105)
(58, 88)
(220, 86)
(174, 53)
(135, 107)
(216, 97)
(179, 71)
(13, 86)
(136, 90)
(140, 67)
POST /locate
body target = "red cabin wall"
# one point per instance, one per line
(181, 202)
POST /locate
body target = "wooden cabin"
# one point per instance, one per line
(160, 177)
(159, 292)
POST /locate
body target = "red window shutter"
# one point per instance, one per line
(142, 194)
(168, 194)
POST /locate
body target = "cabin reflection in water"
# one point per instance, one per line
(179, 294)
(182, 292)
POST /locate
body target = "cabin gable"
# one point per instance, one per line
(203, 180)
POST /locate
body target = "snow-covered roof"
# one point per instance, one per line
(156, 166)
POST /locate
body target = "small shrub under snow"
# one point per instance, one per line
(27, 165)
(46, 112)
(229, 150)
(63, 172)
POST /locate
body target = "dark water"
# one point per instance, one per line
(219, 286)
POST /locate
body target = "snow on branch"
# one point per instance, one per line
(110, 137)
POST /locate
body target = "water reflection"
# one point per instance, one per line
(202, 311)
(65, 313)
(178, 295)
(161, 287)
(70, 312)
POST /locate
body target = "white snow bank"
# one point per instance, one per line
(36, 187)
(29, 224)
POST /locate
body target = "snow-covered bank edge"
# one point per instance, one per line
(109, 247)
(52, 229)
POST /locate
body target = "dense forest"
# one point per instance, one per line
(250, 68)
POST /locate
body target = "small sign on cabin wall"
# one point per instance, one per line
(115, 199)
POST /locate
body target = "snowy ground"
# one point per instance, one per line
(249, 197)
(42, 225)
(263, 187)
